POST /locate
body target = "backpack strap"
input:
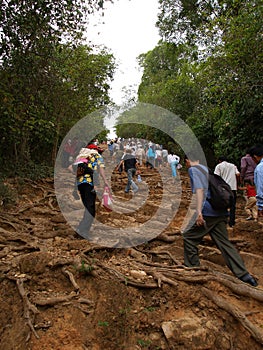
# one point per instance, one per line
(203, 171)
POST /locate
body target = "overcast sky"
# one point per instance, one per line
(128, 29)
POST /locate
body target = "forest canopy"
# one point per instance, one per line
(207, 69)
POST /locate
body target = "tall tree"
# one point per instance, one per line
(232, 89)
(49, 80)
(198, 22)
(168, 78)
(28, 25)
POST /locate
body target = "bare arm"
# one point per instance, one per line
(238, 178)
(199, 204)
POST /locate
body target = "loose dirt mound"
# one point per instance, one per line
(62, 293)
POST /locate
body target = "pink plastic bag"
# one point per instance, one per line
(179, 166)
(107, 199)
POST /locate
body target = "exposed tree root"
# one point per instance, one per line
(71, 278)
(53, 300)
(95, 248)
(255, 332)
(165, 238)
(162, 278)
(200, 275)
(160, 252)
(240, 288)
(9, 223)
(28, 307)
(133, 283)
(127, 280)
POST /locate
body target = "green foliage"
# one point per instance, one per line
(168, 76)
(85, 268)
(102, 136)
(149, 309)
(48, 79)
(197, 22)
(125, 311)
(144, 343)
(33, 171)
(7, 195)
(232, 85)
(36, 25)
(208, 70)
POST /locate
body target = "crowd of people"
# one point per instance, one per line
(130, 154)
(87, 162)
(151, 154)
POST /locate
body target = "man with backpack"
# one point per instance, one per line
(209, 220)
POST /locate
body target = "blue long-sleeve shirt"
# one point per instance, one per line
(199, 180)
(151, 153)
(258, 179)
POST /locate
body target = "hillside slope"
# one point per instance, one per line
(62, 293)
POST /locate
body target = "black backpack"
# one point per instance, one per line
(83, 169)
(221, 194)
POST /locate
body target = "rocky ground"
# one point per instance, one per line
(62, 293)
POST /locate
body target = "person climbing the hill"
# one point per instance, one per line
(247, 169)
(150, 157)
(88, 164)
(212, 222)
(130, 166)
(251, 201)
(173, 161)
(257, 154)
(158, 157)
(118, 154)
(231, 175)
(69, 151)
(111, 148)
(140, 154)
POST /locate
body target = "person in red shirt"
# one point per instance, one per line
(251, 204)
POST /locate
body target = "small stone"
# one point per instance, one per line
(138, 273)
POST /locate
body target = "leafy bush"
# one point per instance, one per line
(7, 195)
(30, 171)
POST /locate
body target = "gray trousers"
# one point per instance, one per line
(216, 227)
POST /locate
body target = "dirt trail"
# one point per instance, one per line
(62, 293)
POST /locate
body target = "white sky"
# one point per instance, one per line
(127, 29)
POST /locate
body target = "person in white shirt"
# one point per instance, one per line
(164, 155)
(140, 154)
(158, 158)
(229, 173)
(173, 160)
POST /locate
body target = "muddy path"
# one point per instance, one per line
(62, 293)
